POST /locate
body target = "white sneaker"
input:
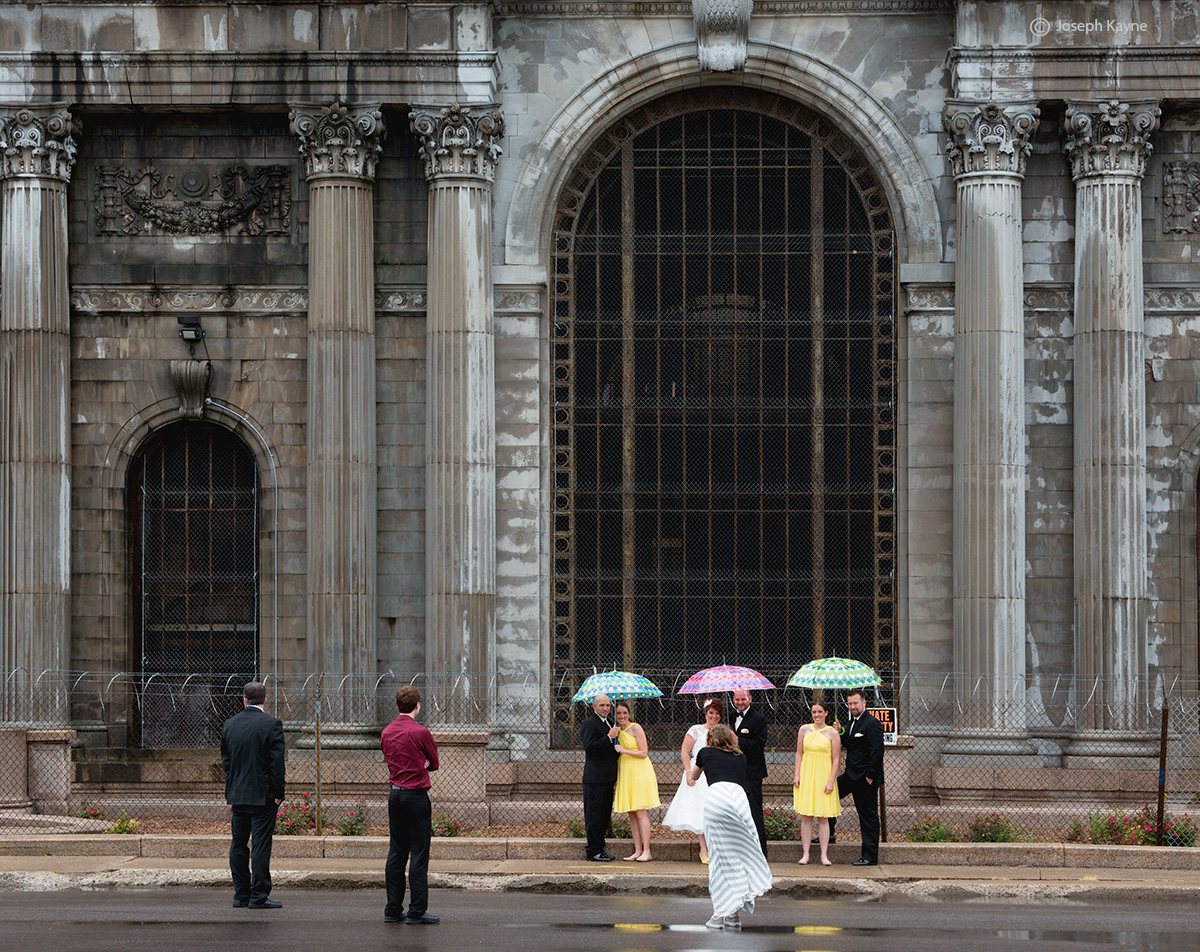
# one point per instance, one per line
(733, 923)
(716, 922)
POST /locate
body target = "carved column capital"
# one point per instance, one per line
(1109, 137)
(339, 141)
(722, 27)
(38, 141)
(455, 143)
(989, 137)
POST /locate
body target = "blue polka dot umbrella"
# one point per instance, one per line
(616, 684)
(834, 673)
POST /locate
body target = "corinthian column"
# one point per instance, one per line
(341, 145)
(35, 357)
(1108, 147)
(988, 147)
(459, 147)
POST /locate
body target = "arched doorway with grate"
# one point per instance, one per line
(193, 497)
(723, 396)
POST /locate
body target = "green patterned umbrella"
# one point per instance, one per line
(616, 684)
(834, 673)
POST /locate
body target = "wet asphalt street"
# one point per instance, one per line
(193, 919)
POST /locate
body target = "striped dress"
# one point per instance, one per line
(737, 870)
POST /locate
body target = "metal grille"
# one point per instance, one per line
(197, 521)
(723, 395)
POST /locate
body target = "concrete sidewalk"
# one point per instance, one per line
(951, 870)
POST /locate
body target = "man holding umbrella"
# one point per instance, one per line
(596, 735)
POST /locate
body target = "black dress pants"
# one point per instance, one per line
(597, 815)
(410, 824)
(866, 804)
(753, 788)
(253, 829)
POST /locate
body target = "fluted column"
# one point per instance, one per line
(1108, 147)
(460, 151)
(35, 355)
(341, 145)
(988, 147)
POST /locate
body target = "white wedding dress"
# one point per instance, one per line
(687, 806)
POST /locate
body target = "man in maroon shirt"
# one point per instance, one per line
(410, 753)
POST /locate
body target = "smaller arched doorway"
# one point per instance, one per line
(193, 498)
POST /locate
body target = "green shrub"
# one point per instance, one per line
(1177, 830)
(443, 825)
(298, 816)
(932, 830)
(124, 824)
(353, 823)
(86, 811)
(992, 828)
(575, 828)
(1113, 829)
(619, 828)
(781, 825)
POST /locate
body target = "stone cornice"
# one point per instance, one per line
(457, 144)
(1055, 298)
(145, 299)
(668, 8)
(989, 137)
(38, 142)
(339, 141)
(1111, 137)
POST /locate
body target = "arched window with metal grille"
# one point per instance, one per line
(194, 511)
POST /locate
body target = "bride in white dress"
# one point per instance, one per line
(687, 806)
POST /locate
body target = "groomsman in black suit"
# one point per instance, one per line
(751, 729)
(597, 734)
(863, 776)
(252, 753)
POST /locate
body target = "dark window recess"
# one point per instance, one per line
(195, 499)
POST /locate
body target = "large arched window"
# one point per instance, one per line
(194, 499)
(723, 394)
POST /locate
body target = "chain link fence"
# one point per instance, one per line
(1046, 758)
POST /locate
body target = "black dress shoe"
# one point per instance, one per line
(600, 858)
(392, 919)
(864, 862)
(425, 919)
(266, 904)
(816, 839)
(240, 904)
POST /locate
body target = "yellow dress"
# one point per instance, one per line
(637, 785)
(810, 798)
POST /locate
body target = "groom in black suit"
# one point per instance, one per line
(596, 736)
(252, 753)
(751, 729)
(863, 776)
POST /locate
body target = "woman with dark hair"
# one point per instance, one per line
(637, 785)
(737, 870)
(687, 807)
(818, 751)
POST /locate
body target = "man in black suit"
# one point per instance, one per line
(863, 776)
(597, 735)
(252, 753)
(751, 730)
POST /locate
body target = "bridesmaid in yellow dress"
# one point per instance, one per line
(637, 785)
(818, 751)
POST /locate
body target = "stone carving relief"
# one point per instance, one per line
(1112, 137)
(137, 300)
(38, 141)
(191, 379)
(1181, 197)
(338, 140)
(989, 137)
(193, 201)
(456, 143)
(721, 30)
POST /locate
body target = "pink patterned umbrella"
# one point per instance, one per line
(725, 677)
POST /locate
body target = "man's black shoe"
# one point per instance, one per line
(240, 904)
(600, 858)
(392, 919)
(817, 839)
(266, 904)
(864, 862)
(425, 919)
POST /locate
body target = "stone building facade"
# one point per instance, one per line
(402, 227)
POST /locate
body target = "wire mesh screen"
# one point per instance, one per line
(197, 544)
(723, 395)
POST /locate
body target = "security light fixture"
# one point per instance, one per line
(190, 329)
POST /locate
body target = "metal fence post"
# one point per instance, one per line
(1162, 775)
(320, 821)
